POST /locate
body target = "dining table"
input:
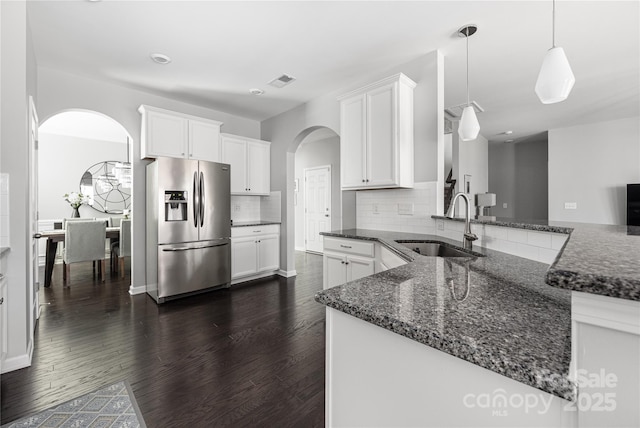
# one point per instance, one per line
(53, 238)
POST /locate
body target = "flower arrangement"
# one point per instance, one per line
(75, 199)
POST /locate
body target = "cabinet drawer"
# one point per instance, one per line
(269, 229)
(349, 246)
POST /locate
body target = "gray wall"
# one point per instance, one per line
(288, 129)
(64, 160)
(591, 165)
(60, 91)
(470, 158)
(18, 75)
(308, 155)
(518, 175)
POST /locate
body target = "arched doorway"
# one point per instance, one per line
(315, 148)
(83, 152)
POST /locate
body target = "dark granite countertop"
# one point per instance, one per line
(253, 223)
(528, 224)
(597, 258)
(507, 320)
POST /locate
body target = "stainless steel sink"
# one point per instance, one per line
(434, 249)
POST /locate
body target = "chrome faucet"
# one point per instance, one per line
(468, 237)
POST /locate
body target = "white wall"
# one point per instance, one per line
(18, 76)
(518, 175)
(60, 91)
(63, 161)
(288, 129)
(591, 166)
(312, 154)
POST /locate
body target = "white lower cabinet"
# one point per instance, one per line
(346, 260)
(255, 252)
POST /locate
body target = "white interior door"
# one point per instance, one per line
(33, 283)
(317, 213)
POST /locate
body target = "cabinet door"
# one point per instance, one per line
(358, 267)
(204, 141)
(352, 142)
(166, 135)
(334, 270)
(4, 331)
(234, 152)
(381, 136)
(268, 252)
(244, 257)
(258, 168)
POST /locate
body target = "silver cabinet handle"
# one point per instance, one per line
(1, 300)
(345, 246)
(1, 276)
(257, 231)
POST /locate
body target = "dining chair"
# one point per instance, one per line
(84, 241)
(122, 248)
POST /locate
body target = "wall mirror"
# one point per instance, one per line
(108, 186)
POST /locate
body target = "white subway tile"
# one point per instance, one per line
(517, 235)
(527, 251)
(539, 239)
(547, 255)
(558, 240)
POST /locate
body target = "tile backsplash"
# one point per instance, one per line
(398, 210)
(255, 208)
(529, 244)
(4, 210)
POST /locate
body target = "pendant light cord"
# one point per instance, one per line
(468, 67)
(553, 26)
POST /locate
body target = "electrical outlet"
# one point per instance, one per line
(570, 205)
(505, 205)
(375, 209)
(236, 208)
(440, 224)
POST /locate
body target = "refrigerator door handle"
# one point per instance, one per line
(194, 248)
(196, 199)
(202, 202)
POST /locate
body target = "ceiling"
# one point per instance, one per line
(220, 50)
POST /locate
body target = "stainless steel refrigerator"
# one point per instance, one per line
(188, 227)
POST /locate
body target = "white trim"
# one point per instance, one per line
(287, 273)
(18, 362)
(139, 289)
(299, 248)
(603, 311)
(252, 277)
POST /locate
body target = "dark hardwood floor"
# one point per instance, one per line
(249, 356)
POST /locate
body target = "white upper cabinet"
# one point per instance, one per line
(376, 135)
(177, 135)
(250, 162)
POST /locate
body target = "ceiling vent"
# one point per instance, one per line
(454, 113)
(282, 81)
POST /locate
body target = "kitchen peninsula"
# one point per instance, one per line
(501, 343)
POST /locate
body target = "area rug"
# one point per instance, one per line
(108, 407)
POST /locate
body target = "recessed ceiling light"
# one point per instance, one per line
(508, 141)
(508, 132)
(160, 58)
(256, 91)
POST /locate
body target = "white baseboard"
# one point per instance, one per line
(252, 277)
(16, 363)
(300, 249)
(287, 273)
(138, 289)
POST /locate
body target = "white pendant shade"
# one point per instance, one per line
(555, 79)
(469, 127)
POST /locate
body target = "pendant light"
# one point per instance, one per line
(469, 127)
(555, 79)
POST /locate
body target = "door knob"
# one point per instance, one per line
(37, 235)
(326, 215)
